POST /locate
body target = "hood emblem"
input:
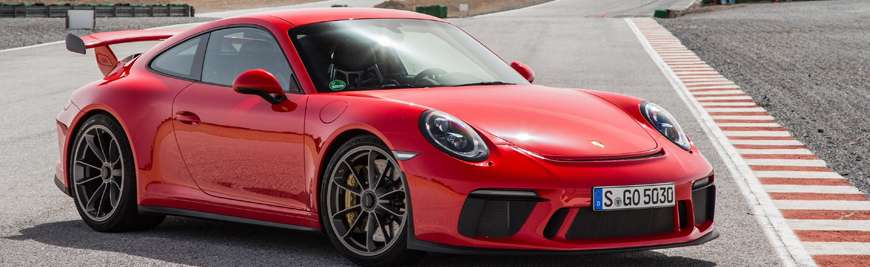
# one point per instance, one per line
(598, 143)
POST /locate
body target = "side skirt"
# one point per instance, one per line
(156, 210)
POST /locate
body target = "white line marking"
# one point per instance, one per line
(797, 151)
(705, 104)
(756, 133)
(693, 72)
(717, 92)
(758, 109)
(716, 87)
(837, 248)
(782, 238)
(747, 124)
(830, 225)
(752, 117)
(744, 97)
(797, 174)
(823, 204)
(821, 189)
(763, 142)
(787, 162)
(31, 46)
(702, 79)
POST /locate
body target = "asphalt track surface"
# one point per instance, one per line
(565, 42)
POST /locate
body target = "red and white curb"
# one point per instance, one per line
(811, 215)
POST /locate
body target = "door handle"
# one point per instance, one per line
(187, 118)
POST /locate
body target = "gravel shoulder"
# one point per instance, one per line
(807, 63)
(17, 32)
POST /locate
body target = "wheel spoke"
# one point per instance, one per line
(388, 235)
(81, 181)
(95, 148)
(115, 163)
(345, 211)
(355, 224)
(114, 194)
(109, 156)
(362, 186)
(390, 209)
(102, 147)
(87, 165)
(370, 233)
(93, 199)
(343, 184)
(116, 172)
(387, 170)
(102, 199)
(373, 170)
(391, 193)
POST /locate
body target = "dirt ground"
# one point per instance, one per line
(200, 5)
(475, 7)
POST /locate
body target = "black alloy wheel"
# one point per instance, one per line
(102, 178)
(363, 204)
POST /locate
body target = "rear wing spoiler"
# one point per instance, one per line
(106, 59)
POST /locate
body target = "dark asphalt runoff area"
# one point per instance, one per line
(566, 42)
(807, 63)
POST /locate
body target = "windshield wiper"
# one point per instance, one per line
(486, 83)
(397, 86)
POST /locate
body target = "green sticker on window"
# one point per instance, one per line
(337, 85)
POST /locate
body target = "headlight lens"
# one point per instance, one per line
(453, 136)
(665, 123)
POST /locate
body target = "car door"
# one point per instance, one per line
(239, 146)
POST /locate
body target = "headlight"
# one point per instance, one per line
(665, 123)
(453, 136)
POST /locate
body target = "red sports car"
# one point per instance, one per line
(394, 133)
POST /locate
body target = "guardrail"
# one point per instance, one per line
(101, 11)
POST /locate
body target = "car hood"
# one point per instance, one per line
(557, 123)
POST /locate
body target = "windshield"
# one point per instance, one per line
(380, 54)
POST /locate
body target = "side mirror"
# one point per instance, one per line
(262, 83)
(524, 70)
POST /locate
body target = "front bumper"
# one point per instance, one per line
(440, 187)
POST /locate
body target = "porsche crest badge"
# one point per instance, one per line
(598, 143)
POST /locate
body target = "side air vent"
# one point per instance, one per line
(704, 203)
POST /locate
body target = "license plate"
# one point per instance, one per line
(633, 196)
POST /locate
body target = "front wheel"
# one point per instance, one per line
(363, 204)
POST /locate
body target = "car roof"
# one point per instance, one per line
(303, 16)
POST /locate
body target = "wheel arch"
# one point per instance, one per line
(76, 127)
(329, 151)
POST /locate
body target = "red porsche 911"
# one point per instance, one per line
(393, 133)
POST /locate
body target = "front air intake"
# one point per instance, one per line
(495, 216)
(618, 223)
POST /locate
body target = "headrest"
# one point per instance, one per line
(256, 47)
(354, 55)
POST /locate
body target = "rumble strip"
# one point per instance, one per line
(810, 213)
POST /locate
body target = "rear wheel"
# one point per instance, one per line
(363, 204)
(103, 178)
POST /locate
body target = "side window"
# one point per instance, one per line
(233, 51)
(178, 61)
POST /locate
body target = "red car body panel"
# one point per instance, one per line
(249, 159)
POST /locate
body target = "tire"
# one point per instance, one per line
(102, 178)
(347, 203)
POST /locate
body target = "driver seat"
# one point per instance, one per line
(354, 62)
